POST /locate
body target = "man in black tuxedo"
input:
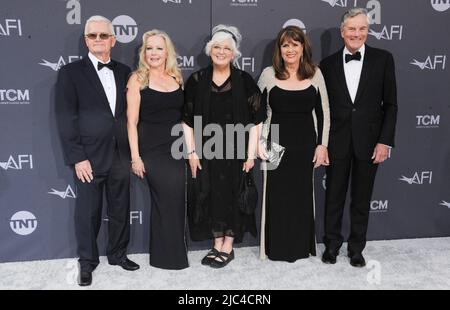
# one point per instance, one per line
(91, 116)
(363, 108)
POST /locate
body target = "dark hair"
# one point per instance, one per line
(306, 68)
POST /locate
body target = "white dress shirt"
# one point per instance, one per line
(352, 70)
(106, 77)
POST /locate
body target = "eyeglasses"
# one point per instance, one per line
(94, 36)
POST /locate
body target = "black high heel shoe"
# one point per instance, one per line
(224, 258)
(207, 260)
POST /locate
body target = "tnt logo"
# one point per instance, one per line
(244, 3)
(185, 62)
(431, 63)
(23, 223)
(10, 27)
(379, 206)
(245, 63)
(428, 121)
(125, 28)
(55, 66)
(440, 5)
(295, 22)
(388, 33)
(18, 163)
(67, 193)
(418, 178)
(14, 96)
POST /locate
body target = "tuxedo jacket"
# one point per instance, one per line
(87, 126)
(356, 127)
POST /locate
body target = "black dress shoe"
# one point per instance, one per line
(329, 257)
(224, 259)
(357, 259)
(210, 257)
(85, 278)
(126, 264)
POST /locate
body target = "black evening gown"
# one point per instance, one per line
(159, 112)
(290, 233)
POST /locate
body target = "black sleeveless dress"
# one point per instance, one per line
(290, 233)
(159, 112)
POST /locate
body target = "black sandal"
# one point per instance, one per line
(225, 259)
(207, 260)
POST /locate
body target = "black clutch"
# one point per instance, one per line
(248, 194)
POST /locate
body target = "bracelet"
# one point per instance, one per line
(137, 160)
(191, 152)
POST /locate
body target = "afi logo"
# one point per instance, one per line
(135, 216)
(68, 193)
(428, 121)
(125, 28)
(55, 66)
(394, 32)
(379, 206)
(19, 163)
(177, 1)
(11, 26)
(73, 17)
(14, 96)
(445, 204)
(295, 22)
(418, 178)
(440, 5)
(431, 63)
(245, 63)
(185, 62)
(339, 3)
(23, 223)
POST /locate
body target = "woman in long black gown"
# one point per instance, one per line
(298, 104)
(155, 101)
(222, 95)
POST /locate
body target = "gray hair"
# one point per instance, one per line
(352, 13)
(98, 18)
(221, 33)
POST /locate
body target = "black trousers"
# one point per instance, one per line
(362, 180)
(88, 214)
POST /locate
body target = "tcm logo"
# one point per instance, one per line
(379, 206)
(445, 204)
(428, 121)
(178, 1)
(186, 62)
(125, 28)
(432, 62)
(418, 178)
(20, 162)
(11, 27)
(440, 5)
(388, 33)
(245, 63)
(67, 193)
(244, 3)
(23, 223)
(295, 22)
(14, 96)
(135, 218)
(55, 66)
(73, 17)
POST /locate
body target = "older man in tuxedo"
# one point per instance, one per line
(363, 107)
(91, 116)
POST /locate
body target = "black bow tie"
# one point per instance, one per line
(355, 56)
(109, 65)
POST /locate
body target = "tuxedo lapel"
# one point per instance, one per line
(89, 71)
(119, 91)
(340, 75)
(365, 73)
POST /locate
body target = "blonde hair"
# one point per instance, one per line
(171, 69)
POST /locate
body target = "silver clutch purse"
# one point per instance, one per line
(274, 151)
